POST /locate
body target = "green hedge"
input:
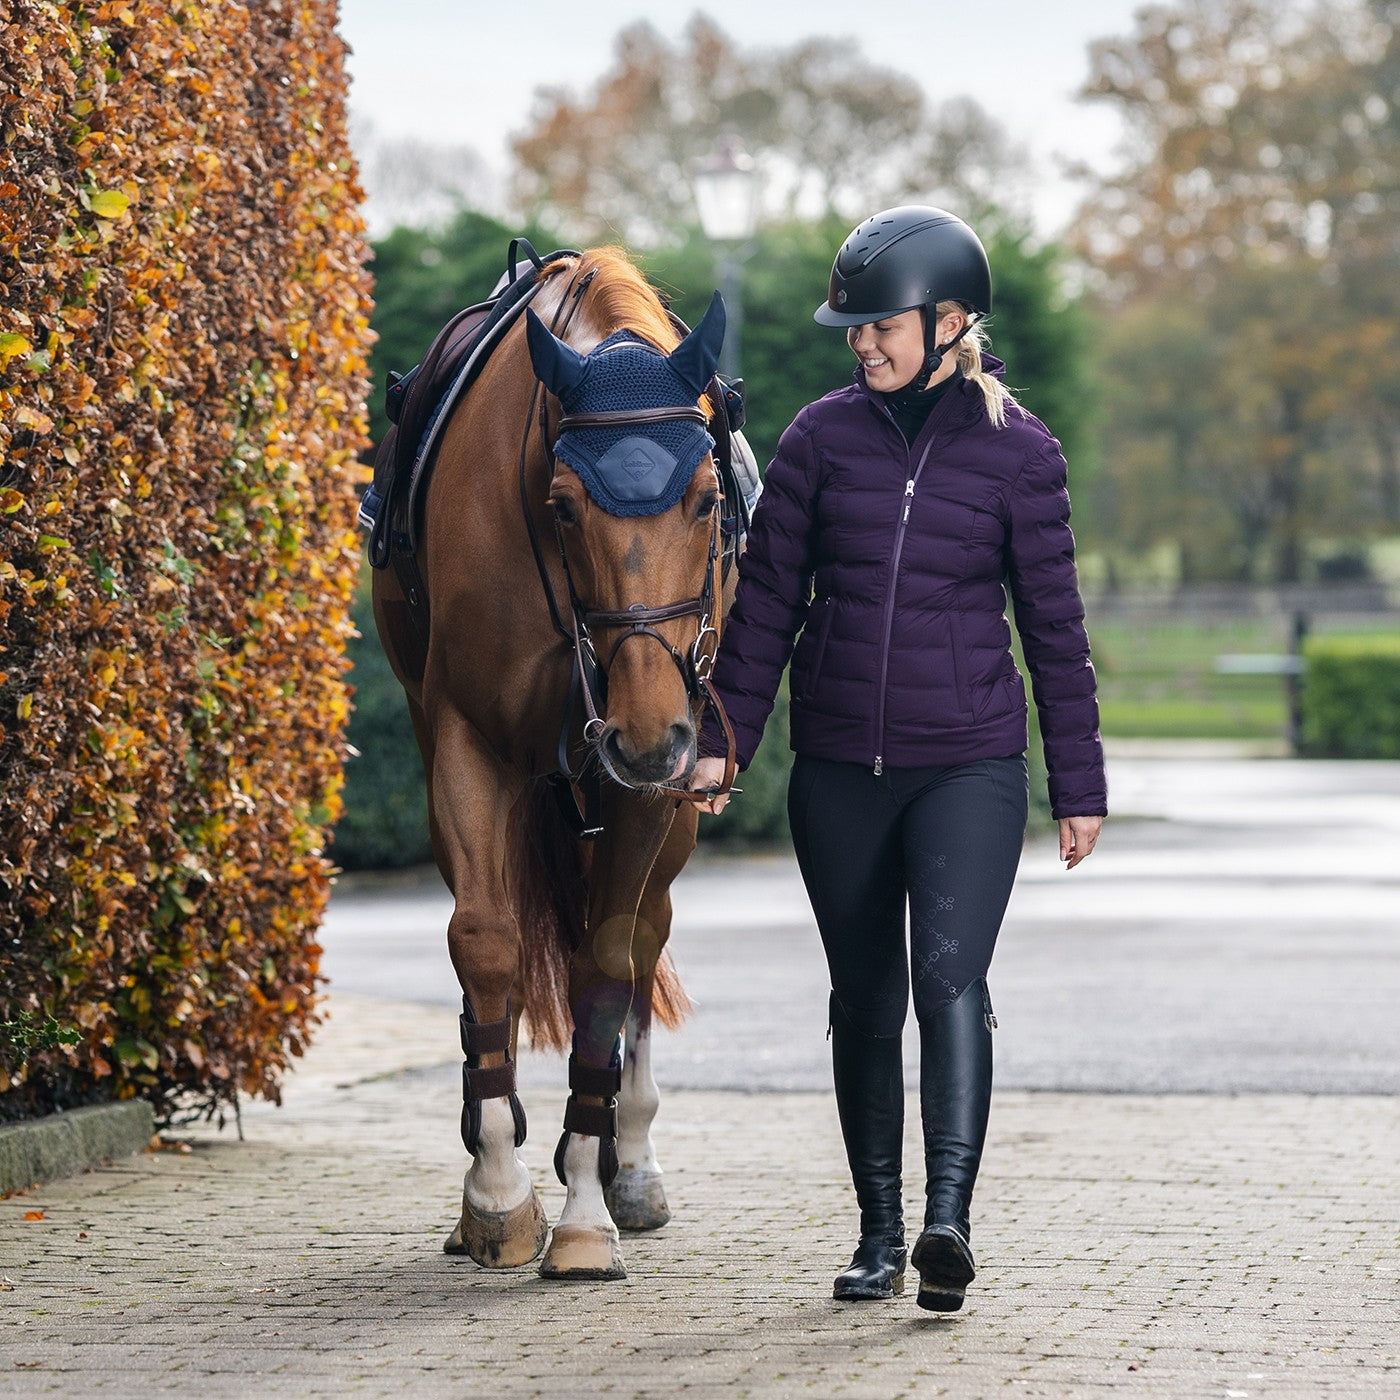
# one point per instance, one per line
(1351, 697)
(385, 824)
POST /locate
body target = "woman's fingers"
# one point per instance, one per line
(709, 773)
(1078, 837)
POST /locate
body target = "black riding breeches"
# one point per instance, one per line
(943, 841)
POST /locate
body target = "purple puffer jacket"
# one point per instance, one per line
(892, 563)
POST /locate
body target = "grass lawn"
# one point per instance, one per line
(1157, 678)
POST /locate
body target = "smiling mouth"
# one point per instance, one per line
(874, 364)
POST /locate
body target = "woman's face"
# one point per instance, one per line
(892, 350)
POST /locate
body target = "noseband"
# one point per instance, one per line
(589, 682)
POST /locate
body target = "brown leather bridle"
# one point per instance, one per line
(590, 676)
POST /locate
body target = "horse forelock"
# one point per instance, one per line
(618, 298)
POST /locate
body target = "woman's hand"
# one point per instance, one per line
(1077, 838)
(709, 773)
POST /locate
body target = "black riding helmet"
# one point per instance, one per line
(914, 256)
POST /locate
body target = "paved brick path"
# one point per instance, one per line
(1177, 1246)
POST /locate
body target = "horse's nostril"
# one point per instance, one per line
(682, 737)
(612, 746)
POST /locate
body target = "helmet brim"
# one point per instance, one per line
(825, 316)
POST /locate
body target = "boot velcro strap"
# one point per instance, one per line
(595, 1082)
(487, 1038)
(498, 1082)
(590, 1119)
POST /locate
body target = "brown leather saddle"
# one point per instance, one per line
(419, 404)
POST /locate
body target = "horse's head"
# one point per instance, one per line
(635, 497)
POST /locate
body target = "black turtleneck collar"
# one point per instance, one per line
(910, 409)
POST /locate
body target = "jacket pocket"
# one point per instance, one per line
(1003, 695)
(819, 628)
(962, 676)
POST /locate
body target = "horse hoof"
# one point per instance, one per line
(582, 1252)
(637, 1201)
(501, 1239)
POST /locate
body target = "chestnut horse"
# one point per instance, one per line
(568, 932)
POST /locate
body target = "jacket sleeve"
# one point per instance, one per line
(770, 600)
(1050, 619)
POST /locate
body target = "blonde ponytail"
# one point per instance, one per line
(970, 349)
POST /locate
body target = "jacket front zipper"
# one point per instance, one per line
(889, 604)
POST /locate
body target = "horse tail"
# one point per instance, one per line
(549, 885)
(669, 1002)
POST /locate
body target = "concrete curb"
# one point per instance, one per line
(65, 1143)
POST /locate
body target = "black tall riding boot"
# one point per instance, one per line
(869, 1076)
(955, 1091)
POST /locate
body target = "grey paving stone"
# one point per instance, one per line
(1177, 1246)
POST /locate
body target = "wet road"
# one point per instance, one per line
(1238, 929)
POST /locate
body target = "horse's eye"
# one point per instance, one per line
(564, 510)
(706, 505)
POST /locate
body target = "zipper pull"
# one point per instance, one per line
(879, 765)
(908, 496)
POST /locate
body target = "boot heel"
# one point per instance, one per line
(945, 1300)
(945, 1266)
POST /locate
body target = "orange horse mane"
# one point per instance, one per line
(620, 297)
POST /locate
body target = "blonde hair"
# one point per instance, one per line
(970, 351)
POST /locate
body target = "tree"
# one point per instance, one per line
(834, 134)
(1255, 210)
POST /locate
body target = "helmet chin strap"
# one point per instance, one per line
(933, 355)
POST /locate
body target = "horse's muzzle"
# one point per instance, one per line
(669, 759)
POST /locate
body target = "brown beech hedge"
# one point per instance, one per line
(183, 332)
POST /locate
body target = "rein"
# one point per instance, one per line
(589, 679)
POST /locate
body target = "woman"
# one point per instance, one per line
(894, 517)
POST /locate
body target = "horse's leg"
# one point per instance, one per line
(602, 983)
(502, 1222)
(636, 1198)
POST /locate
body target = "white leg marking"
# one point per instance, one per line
(584, 1244)
(503, 1222)
(637, 1198)
(497, 1179)
(584, 1204)
(637, 1103)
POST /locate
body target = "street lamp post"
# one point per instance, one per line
(726, 195)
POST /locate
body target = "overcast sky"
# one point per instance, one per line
(464, 72)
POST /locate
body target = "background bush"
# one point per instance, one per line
(1351, 697)
(385, 821)
(182, 369)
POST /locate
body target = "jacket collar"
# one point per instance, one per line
(960, 407)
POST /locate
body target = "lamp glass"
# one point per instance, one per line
(727, 199)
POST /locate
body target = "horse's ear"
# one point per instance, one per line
(696, 358)
(557, 367)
